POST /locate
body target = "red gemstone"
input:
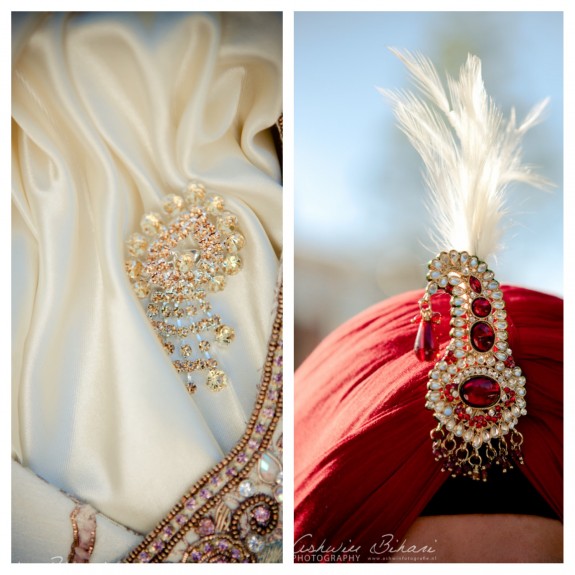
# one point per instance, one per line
(482, 336)
(509, 362)
(481, 307)
(480, 391)
(475, 284)
(425, 347)
(450, 357)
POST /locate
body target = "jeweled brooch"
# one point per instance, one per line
(182, 255)
(475, 390)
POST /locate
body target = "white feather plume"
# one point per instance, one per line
(470, 151)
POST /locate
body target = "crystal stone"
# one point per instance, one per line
(227, 223)
(278, 493)
(255, 543)
(206, 527)
(482, 336)
(141, 289)
(480, 391)
(204, 346)
(261, 514)
(268, 468)
(172, 204)
(185, 263)
(195, 193)
(246, 488)
(134, 269)
(224, 334)
(151, 224)
(234, 243)
(217, 380)
(232, 264)
(216, 283)
(137, 245)
(214, 204)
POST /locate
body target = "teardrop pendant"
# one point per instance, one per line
(425, 347)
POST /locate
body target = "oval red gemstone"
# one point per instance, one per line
(480, 391)
(475, 284)
(482, 336)
(481, 307)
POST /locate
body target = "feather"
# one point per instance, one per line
(470, 151)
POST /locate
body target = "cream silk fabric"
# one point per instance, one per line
(110, 113)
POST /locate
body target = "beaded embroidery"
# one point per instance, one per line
(233, 514)
(182, 256)
(83, 519)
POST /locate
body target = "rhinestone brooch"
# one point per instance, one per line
(180, 257)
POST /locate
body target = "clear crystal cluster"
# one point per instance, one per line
(179, 258)
(476, 391)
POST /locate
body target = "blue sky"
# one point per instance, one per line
(358, 186)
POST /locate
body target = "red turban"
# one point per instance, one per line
(363, 461)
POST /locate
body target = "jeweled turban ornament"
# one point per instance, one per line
(476, 391)
(184, 254)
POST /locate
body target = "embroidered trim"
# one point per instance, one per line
(83, 518)
(233, 513)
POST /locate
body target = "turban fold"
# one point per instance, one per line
(363, 461)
